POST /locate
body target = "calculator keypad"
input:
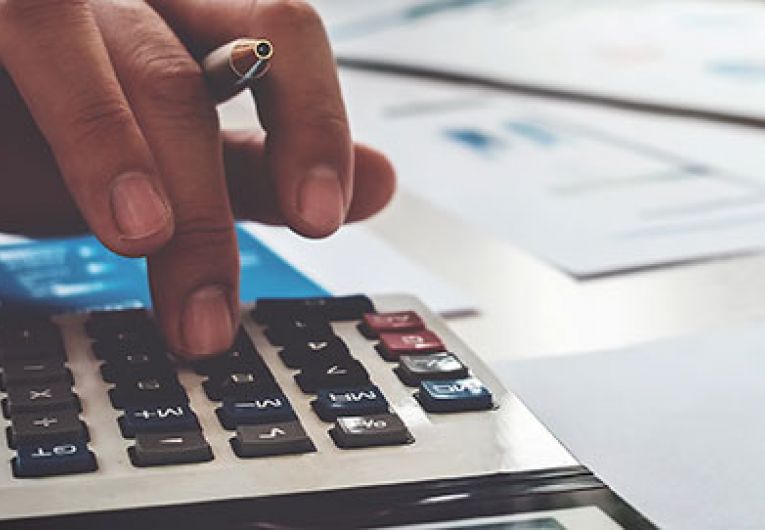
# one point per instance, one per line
(158, 415)
(45, 427)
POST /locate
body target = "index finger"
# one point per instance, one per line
(309, 148)
(56, 58)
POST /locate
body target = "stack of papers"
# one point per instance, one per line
(703, 54)
(594, 191)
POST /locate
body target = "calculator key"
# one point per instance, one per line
(336, 308)
(375, 323)
(271, 439)
(238, 385)
(240, 357)
(341, 374)
(148, 391)
(140, 347)
(265, 408)
(394, 344)
(454, 395)
(36, 397)
(159, 449)
(370, 431)
(45, 460)
(160, 418)
(34, 371)
(299, 330)
(415, 368)
(136, 365)
(301, 355)
(51, 426)
(30, 338)
(331, 404)
(111, 325)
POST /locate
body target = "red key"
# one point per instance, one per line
(376, 323)
(394, 344)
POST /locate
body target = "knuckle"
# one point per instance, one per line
(40, 17)
(35, 10)
(101, 118)
(200, 232)
(296, 13)
(332, 124)
(173, 81)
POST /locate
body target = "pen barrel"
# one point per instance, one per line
(227, 66)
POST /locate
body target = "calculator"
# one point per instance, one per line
(331, 412)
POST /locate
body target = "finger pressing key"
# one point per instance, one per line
(65, 76)
(194, 277)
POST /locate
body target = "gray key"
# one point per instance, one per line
(444, 365)
(271, 439)
(159, 449)
(42, 396)
(34, 371)
(46, 426)
(369, 431)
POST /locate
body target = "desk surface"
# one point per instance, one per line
(529, 308)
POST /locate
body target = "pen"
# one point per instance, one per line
(236, 66)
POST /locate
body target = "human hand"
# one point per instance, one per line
(106, 123)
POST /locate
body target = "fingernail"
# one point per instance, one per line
(320, 202)
(139, 211)
(207, 324)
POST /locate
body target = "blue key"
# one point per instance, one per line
(359, 401)
(157, 418)
(266, 408)
(43, 460)
(454, 395)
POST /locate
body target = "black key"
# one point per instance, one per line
(342, 374)
(271, 439)
(337, 308)
(136, 365)
(242, 357)
(43, 427)
(432, 366)
(143, 346)
(110, 325)
(34, 371)
(45, 460)
(370, 431)
(161, 418)
(37, 397)
(149, 391)
(331, 404)
(298, 330)
(302, 355)
(238, 385)
(30, 338)
(159, 449)
(267, 407)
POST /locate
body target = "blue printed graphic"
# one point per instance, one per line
(79, 274)
(478, 141)
(533, 132)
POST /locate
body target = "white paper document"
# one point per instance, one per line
(594, 191)
(675, 427)
(702, 54)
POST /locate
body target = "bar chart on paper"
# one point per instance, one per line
(589, 199)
